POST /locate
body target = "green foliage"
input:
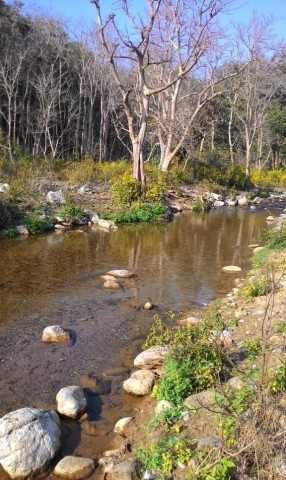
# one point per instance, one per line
(69, 210)
(199, 206)
(222, 470)
(277, 383)
(252, 347)
(11, 232)
(256, 287)
(269, 178)
(275, 239)
(37, 223)
(281, 327)
(214, 171)
(213, 317)
(175, 384)
(159, 334)
(125, 189)
(140, 213)
(163, 456)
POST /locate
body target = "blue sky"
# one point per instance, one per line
(82, 10)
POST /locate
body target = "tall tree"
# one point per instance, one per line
(147, 43)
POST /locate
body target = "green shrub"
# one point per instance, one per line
(164, 455)
(277, 381)
(256, 287)
(193, 363)
(199, 206)
(36, 223)
(69, 210)
(125, 189)
(140, 213)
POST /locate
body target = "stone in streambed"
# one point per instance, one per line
(55, 334)
(121, 273)
(30, 438)
(140, 382)
(71, 402)
(75, 468)
(152, 357)
(121, 425)
(126, 470)
(107, 224)
(111, 285)
(231, 269)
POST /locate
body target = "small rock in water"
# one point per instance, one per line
(71, 401)
(140, 382)
(270, 218)
(231, 269)
(111, 284)
(108, 277)
(107, 224)
(148, 306)
(121, 273)
(55, 334)
(22, 230)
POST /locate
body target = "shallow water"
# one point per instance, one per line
(55, 279)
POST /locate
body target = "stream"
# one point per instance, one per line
(55, 279)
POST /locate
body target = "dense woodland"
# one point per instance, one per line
(174, 86)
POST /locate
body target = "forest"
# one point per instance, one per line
(173, 86)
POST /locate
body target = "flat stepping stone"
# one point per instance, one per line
(231, 269)
(75, 468)
(121, 273)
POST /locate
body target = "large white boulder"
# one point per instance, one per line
(29, 440)
(152, 357)
(75, 468)
(71, 401)
(140, 382)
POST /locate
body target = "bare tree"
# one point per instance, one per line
(148, 43)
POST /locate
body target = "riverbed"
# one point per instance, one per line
(55, 279)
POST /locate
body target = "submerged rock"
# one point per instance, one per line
(30, 438)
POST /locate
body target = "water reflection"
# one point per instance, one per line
(176, 264)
